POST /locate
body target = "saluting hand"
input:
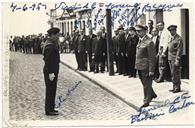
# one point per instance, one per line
(51, 76)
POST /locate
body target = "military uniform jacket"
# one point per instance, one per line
(51, 57)
(175, 48)
(145, 55)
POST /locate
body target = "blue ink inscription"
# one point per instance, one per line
(146, 114)
(62, 99)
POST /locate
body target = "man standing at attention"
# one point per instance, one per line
(51, 69)
(175, 48)
(145, 63)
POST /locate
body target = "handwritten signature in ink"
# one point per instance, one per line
(62, 99)
(178, 103)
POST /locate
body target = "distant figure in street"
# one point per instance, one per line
(145, 63)
(175, 48)
(51, 69)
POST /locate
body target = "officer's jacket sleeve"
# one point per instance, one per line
(49, 58)
(180, 49)
(151, 56)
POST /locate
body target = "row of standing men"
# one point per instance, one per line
(92, 50)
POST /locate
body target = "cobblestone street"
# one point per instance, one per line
(86, 101)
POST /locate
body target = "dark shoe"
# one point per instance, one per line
(125, 75)
(145, 105)
(172, 90)
(154, 96)
(129, 76)
(159, 81)
(51, 113)
(176, 91)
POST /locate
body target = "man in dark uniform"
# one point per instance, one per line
(51, 69)
(175, 48)
(145, 63)
(81, 50)
(131, 51)
(90, 39)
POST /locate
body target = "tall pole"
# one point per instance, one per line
(109, 42)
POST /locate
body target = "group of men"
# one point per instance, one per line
(153, 53)
(133, 49)
(30, 44)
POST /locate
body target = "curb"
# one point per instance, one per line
(103, 87)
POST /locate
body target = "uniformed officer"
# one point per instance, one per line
(175, 48)
(51, 69)
(145, 63)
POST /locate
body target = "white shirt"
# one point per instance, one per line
(165, 37)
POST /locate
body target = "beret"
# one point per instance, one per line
(53, 30)
(140, 27)
(172, 27)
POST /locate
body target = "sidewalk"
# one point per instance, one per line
(129, 90)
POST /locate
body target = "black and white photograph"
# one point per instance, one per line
(97, 63)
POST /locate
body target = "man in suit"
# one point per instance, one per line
(90, 39)
(115, 46)
(81, 51)
(155, 39)
(131, 51)
(104, 48)
(145, 63)
(121, 51)
(75, 47)
(175, 48)
(51, 69)
(97, 51)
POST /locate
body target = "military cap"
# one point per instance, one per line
(132, 28)
(140, 27)
(53, 31)
(172, 27)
